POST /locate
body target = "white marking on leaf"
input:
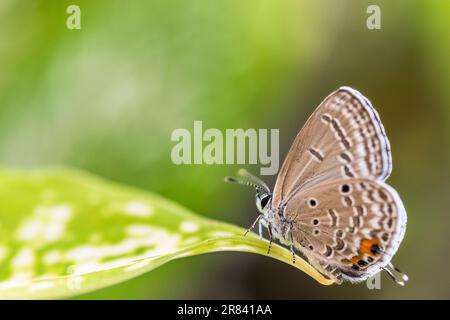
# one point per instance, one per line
(189, 227)
(41, 286)
(139, 230)
(14, 283)
(24, 259)
(22, 266)
(90, 258)
(244, 247)
(52, 257)
(191, 240)
(46, 225)
(137, 265)
(220, 234)
(74, 283)
(138, 209)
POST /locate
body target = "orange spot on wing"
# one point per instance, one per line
(355, 259)
(366, 246)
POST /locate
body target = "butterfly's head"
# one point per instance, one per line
(263, 194)
(263, 201)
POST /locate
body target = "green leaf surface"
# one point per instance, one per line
(64, 232)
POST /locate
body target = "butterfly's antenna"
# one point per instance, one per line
(245, 183)
(244, 173)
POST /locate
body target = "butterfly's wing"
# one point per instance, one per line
(350, 227)
(343, 138)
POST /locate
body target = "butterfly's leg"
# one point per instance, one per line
(253, 225)
(291, 245)
(269, 228)
(260, 228)
(328, 271)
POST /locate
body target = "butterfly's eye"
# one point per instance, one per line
(262, 201)
(265, 201)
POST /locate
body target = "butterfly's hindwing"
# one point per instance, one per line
(352, 225)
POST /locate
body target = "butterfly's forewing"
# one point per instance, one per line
(343, 139)
(353, 226)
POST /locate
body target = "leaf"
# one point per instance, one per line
(64, 232)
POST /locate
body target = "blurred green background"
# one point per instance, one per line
(106, 99)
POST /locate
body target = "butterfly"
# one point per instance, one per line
(330, 201)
